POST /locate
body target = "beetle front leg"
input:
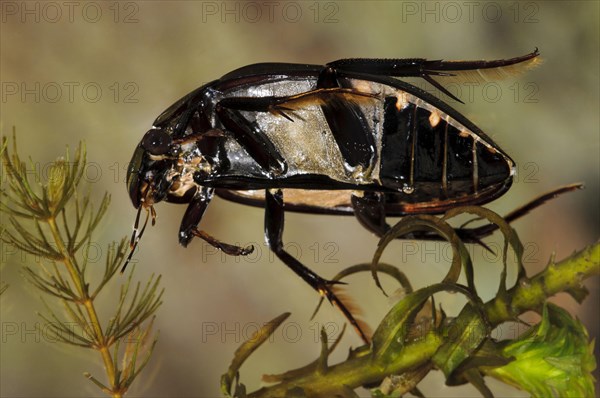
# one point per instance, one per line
(274, 221)
(193, 216)
(227, 248)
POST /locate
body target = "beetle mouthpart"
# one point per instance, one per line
(147, 197)
(153, 214)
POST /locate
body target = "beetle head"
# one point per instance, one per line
(154, 174)
(146, 180)
(157, 171)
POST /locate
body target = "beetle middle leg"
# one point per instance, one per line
(343, 115)
(274, 222)
(252, 138)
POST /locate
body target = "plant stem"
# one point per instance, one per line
(529, 294)
(355, 372)
(88, 303)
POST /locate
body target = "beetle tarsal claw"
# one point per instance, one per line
(246, 250)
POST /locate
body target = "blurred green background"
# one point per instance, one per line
(100, 72)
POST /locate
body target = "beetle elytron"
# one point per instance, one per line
(344, 138)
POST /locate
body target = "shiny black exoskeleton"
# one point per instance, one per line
(344, 138)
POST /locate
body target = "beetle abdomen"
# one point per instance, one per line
(426, 154)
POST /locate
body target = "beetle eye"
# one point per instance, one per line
(157, 142)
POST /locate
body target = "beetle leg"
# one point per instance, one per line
(320, 96)
(347, 124)
(252, 138)
(274, 221)
(194, 115)
(369, 209)
(193, 216)
(423, 68)
(368, 213)
(227, 248)
(474, 235)
(344, 117)
(418, 67)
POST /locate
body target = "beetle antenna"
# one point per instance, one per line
(135, 227)
(135, 237)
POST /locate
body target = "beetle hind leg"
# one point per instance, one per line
(452, 71)
(274, 221)
(420, 67)
(370, 210)
(474, 235)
